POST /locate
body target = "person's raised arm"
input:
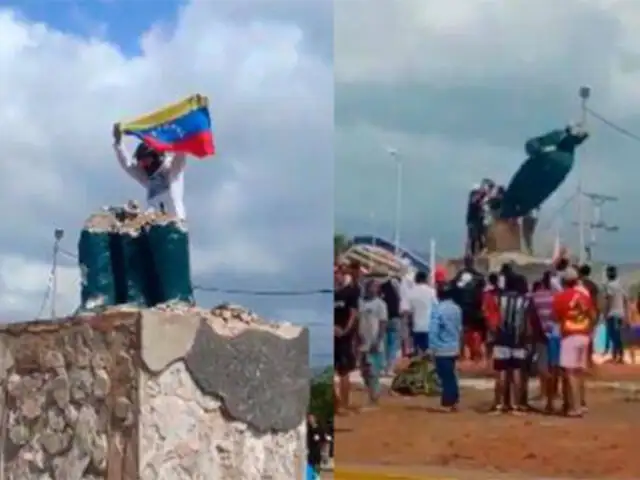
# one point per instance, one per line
(124, 159)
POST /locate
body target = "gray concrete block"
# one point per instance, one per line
(262, 378)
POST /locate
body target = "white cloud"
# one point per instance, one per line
(270, 101)
(23, 282)
(481, 42)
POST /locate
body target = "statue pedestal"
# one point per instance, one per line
(504, 236)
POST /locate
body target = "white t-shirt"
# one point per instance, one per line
(165, 188)
(616, 296)
(421, 300)
(406, 284)
(556, 283)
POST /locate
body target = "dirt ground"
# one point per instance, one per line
(408, 432)
(609, 372)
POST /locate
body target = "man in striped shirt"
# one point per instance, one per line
(510, 354)
(548, 345)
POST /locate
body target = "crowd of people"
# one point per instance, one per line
(483, 206)
(520, 330)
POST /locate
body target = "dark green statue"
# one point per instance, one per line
(550, 159)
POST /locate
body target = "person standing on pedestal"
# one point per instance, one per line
(161, 174)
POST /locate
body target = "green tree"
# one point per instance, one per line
(321, 403)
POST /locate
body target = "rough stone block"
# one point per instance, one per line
(504, 236)
(168, 393)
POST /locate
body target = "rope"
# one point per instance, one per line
(613, 125)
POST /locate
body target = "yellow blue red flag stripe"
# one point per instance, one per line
(183, 127)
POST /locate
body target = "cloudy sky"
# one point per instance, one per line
(260, 213)
(457, 87)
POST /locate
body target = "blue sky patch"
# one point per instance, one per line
(116, 21)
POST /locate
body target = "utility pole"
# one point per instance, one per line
(395, 156)
(596, 224)
(584, 93)
(58, 234)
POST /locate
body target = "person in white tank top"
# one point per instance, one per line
(162, 175)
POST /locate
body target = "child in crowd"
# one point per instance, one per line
(445, 332)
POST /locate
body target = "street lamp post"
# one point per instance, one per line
(584, 93)
(398, 220)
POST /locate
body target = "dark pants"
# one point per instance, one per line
(614, 336)
(446, 371)
(344, 355)
(475, 236)
(420, 342)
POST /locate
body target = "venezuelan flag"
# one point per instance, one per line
(184, 127)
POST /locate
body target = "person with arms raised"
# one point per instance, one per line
(160, 174)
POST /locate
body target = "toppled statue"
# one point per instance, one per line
(551, 158)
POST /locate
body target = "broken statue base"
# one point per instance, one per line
(155, 394)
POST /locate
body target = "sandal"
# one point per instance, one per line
(519, 410)
(574, 414)
(498, 410)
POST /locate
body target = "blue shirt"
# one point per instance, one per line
(445, 329)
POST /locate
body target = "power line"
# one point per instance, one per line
(237, 291)
(613, 125)
(265, 293)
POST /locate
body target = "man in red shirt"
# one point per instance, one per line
(574, 311)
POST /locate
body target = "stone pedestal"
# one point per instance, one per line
(152, 394)
(504, 236)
